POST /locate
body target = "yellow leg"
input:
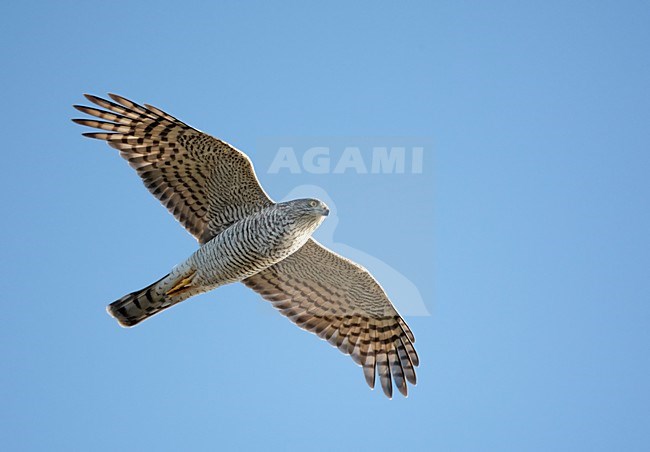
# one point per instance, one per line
(181, 285)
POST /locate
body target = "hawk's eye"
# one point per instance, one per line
(313, 203)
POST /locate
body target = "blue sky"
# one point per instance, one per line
(525, 234)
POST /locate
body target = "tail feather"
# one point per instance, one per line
(137, 306)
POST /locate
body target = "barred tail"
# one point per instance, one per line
(137, 306)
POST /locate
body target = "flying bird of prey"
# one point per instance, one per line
(211, 189)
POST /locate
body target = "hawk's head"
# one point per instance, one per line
(310, 206)
(305, 213)
(299, 218)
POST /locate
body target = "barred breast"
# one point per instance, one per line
(250, 246)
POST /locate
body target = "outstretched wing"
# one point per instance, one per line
(341, 302)
(204, 182)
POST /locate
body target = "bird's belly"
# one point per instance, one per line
(229, 257)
